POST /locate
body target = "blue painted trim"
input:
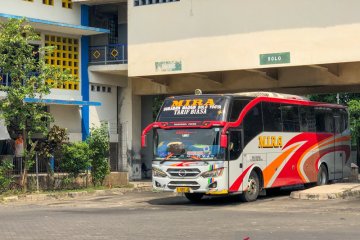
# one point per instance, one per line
(35, 20)
(85, 17)
(85, 88)
(62, 102)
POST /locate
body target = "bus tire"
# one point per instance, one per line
(253, 188)
(323, 176)
(194, 197)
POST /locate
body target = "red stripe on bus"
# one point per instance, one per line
(257, 100)
(236, 185)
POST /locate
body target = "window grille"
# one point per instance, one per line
(148, 2)
(67, 4)
(48, 2)
(65, 56)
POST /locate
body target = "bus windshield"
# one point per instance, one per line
(188, 144)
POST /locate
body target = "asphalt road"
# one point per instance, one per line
(150, 215)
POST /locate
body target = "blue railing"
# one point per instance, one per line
(109, 54)
(5, 79)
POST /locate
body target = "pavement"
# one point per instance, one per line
(344, 189)
(135, 187)
(153, 215)
(325, 192)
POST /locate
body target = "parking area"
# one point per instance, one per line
(149, 215)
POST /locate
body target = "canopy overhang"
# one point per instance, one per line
(62, 102)
(51, 26)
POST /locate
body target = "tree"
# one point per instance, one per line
(28, 74)
(332, 97)
(99, 151)
(75, 159)
(53, 142)
(354, 109)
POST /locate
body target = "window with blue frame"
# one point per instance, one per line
(149, 2)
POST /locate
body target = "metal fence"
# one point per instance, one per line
(109, 54)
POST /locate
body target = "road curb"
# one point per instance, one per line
(342, 193)
(72, 195)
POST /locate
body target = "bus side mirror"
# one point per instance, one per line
(223, 141)
(143, 140)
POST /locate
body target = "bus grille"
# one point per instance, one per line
(174, 184)
(183, 172)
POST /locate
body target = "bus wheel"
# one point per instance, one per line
(253, 188)
(322, 177)
(194, 197)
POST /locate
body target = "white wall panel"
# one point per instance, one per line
(39, 10)
(213, 35)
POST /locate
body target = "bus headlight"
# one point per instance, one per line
(213, 173)
(158, 173)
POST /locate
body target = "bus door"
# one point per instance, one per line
(236, 146)
(338, 156)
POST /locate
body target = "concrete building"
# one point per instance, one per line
(162, 47)
(65, 25)
(176, 46)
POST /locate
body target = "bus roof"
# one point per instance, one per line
(271, 95)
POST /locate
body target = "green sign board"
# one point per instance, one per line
(168, 66)
(274, 58)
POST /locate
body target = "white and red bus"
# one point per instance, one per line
(247, 142)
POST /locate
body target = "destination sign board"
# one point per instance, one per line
(199, 108)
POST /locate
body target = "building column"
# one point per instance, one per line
(85, 92)
(130, 131)
(147, 103)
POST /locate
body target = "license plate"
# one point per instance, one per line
(182, 189)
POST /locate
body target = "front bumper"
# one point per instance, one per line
(197, 184)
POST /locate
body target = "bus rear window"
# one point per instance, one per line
(197, 108)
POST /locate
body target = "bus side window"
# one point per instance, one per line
(237, 107)
(344, 120)
(253, 124)
(235, 146)
(307, 119)
(290, 118)
(324, 119)
(272, 117)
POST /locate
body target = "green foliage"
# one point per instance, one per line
(28, 75)
(5, 178)
(354, 109)
(331, 97)
(99, 151)
(75, 159)
(53, 142)
(28, 80)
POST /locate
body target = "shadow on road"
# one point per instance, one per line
(216, 200)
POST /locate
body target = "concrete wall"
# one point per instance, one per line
(39, 10)
(68, 117)
(213, 35)
(107, 112)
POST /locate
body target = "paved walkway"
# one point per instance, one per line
(332, 191)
